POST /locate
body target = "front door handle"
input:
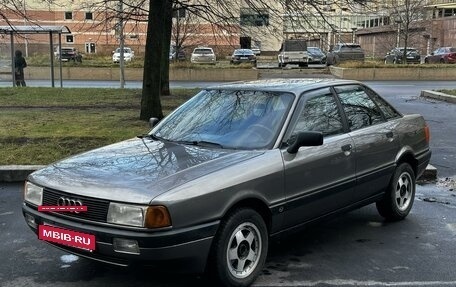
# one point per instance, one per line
(346, 149)
(390, 136)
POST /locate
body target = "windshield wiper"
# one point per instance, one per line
(201, 143)
(152, 136)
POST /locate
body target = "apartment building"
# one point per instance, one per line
(377, 26)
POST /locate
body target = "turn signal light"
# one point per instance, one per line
(157, 216)
(427, 133)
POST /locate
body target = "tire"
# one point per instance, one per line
(442, 61)
(400, 195)
(248, 227)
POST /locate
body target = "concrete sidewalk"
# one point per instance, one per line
(14, 173)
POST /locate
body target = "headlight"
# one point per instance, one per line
(33, 193)
(139, 216)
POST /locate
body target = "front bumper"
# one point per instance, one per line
(186, 250)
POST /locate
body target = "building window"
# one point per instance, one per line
(258, 18)
(68, 15)
(89, 16)
(69, 38)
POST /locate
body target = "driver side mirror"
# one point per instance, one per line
(306, 139)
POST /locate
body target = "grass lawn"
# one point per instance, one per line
(42, 125)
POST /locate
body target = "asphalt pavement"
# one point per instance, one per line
(355, 249)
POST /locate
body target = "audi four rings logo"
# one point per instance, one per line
(65, 201)
(65, 204)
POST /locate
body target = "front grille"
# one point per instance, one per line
(97, 209)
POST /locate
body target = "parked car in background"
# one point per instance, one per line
(444, 55)
(68, 54)
(396, 56)
(234, 166)
(316, 55)
(344, 52)
(177, 55)
(293, 52)
(243, 56)
(129, 54)
(203, 55)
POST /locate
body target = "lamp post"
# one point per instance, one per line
(398, 21)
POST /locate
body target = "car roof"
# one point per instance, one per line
(296, 86)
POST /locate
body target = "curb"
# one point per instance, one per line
(438, 96)
(14, 173)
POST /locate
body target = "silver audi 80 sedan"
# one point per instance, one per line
(236, 165)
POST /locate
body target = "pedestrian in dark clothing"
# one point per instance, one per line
(19, 65)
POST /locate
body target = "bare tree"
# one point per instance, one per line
(406, 14)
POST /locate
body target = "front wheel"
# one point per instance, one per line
(239, 250)
(399, 197)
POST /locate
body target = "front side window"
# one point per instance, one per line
(320, 114)
(360, 110)
(230, 118)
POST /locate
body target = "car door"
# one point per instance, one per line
(435, 56)
(376, 143)
(318, 179)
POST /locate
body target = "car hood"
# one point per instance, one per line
(135, 170)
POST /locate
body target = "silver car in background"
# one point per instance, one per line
(234, 166)
(203, 55)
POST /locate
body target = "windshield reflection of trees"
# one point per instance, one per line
(227, 118)
(359, 108)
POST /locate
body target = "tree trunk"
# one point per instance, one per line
(167, 29)
(150, 101)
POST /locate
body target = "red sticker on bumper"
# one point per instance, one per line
(75, 209)
(66, 237)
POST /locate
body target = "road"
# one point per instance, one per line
(356, 249)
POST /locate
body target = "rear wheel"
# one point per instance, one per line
(239, 250)
(398, 200)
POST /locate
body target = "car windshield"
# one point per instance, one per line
(230, 119)
(452, 50)
(243, 52)
(203, 51)
(126, 50)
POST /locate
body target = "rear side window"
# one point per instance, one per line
(360, 110)
(320, 114)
